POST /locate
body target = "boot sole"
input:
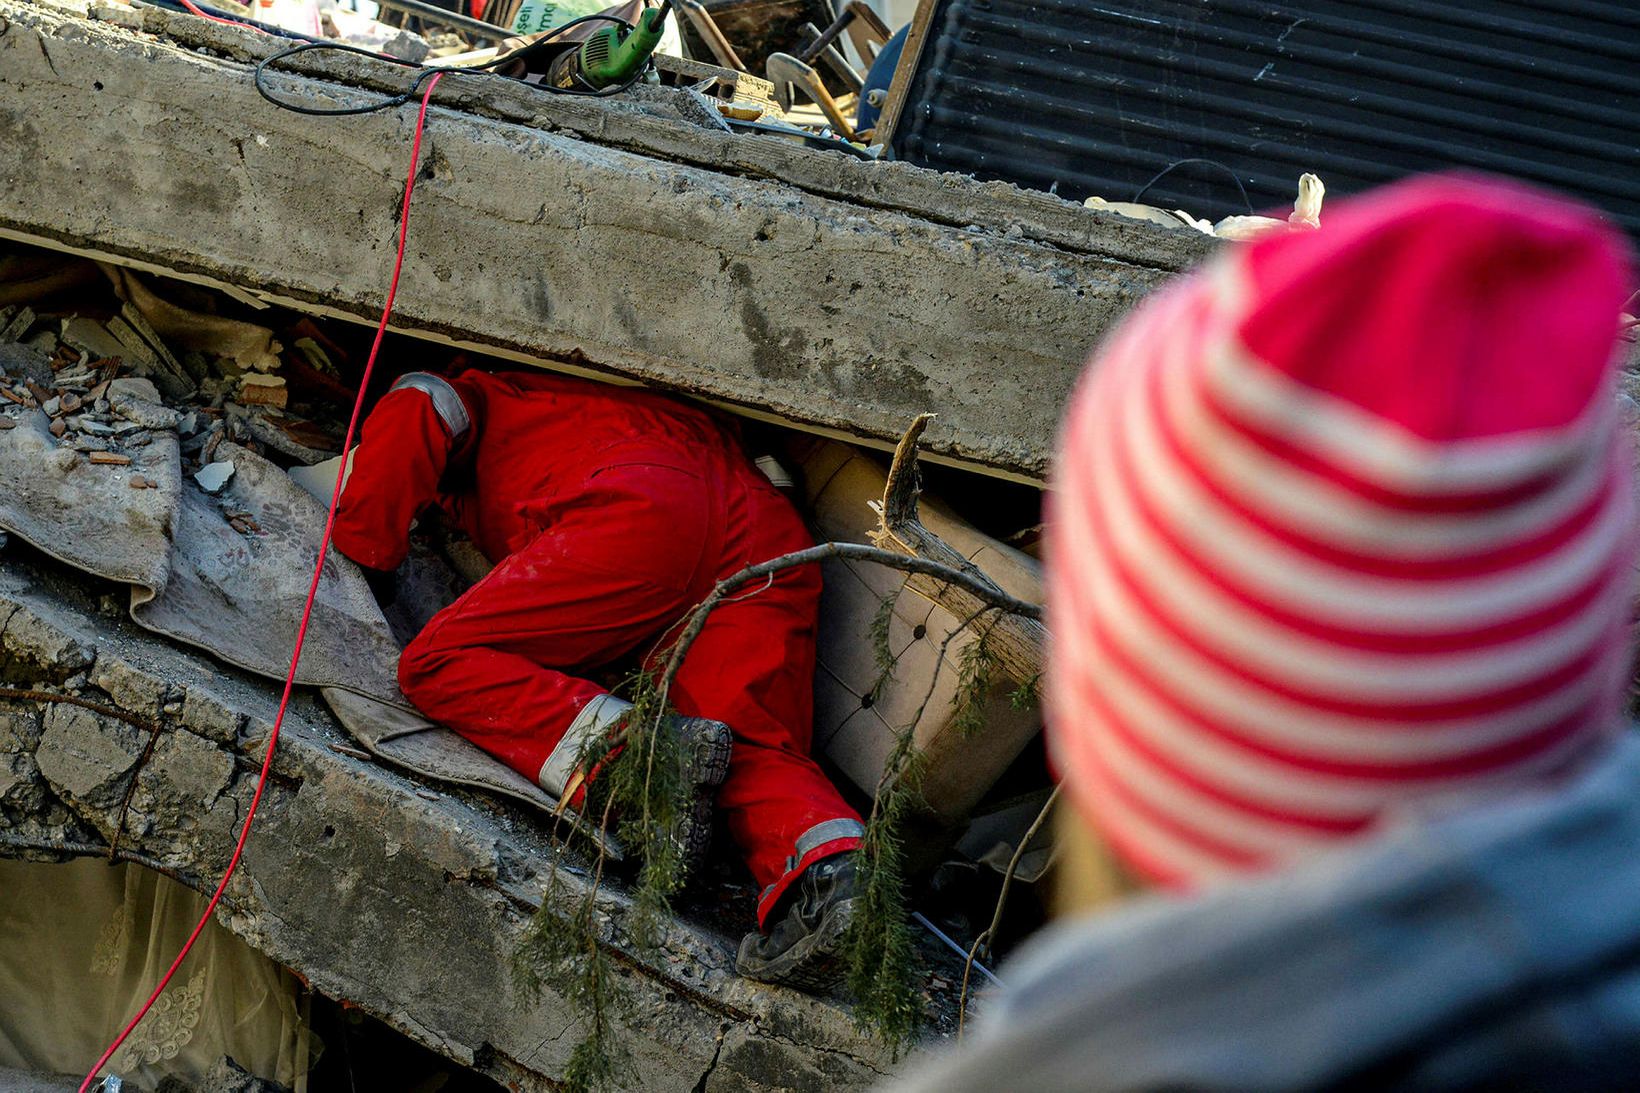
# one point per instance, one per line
(815, 964)
(707, 746)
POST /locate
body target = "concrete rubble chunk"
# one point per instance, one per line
(82, 423)
(172, 378)
(43, 647)
(90, 337)
(21, 786)
(18, 327)
(140, 403)
(83, 756)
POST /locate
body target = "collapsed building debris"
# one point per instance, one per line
(627, 240)
(102, 422)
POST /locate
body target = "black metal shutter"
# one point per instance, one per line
(1097, 97)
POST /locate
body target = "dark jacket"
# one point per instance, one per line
(1496, 949)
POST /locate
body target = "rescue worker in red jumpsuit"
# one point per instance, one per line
(608, 514)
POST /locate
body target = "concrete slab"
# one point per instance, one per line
(404, 899)
(617, 239)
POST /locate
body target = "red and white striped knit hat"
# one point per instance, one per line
(1342, 521)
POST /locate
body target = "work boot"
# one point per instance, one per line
(803, 947)
(705, 746)
(703, 750)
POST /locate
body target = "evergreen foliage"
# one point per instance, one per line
(639, 785)
(883, 970)
(977, 671)
(881, 651)
(1027, 693)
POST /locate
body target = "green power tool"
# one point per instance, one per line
(612, 56)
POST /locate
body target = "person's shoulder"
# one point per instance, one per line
(1293, 980)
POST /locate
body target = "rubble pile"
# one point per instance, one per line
(107, 386)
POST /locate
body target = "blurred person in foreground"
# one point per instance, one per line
(1341, 564)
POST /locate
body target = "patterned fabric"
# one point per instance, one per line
(85, 943)
(1341, 523)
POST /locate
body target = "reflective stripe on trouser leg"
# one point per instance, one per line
(814, 838)
(597, 718)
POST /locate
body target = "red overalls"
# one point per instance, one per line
(609, 512)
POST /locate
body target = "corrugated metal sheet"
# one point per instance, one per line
(1096, 98)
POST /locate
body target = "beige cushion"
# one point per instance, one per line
(852, 731)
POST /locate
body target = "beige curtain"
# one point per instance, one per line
(82, 944)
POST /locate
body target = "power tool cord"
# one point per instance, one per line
(194, 9)
(307, 607)
(411, 93)
(1165, 171)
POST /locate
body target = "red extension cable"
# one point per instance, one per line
(313, 587)
(194, 9)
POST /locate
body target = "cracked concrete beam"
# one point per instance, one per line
(787, 283)
(405, 906)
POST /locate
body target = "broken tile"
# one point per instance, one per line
(59, 427)
(110, 459)
(91, 336)
(133, 331)
(213, 476)
(261, 390)
(138, 482)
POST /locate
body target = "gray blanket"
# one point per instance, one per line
(228, 573)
